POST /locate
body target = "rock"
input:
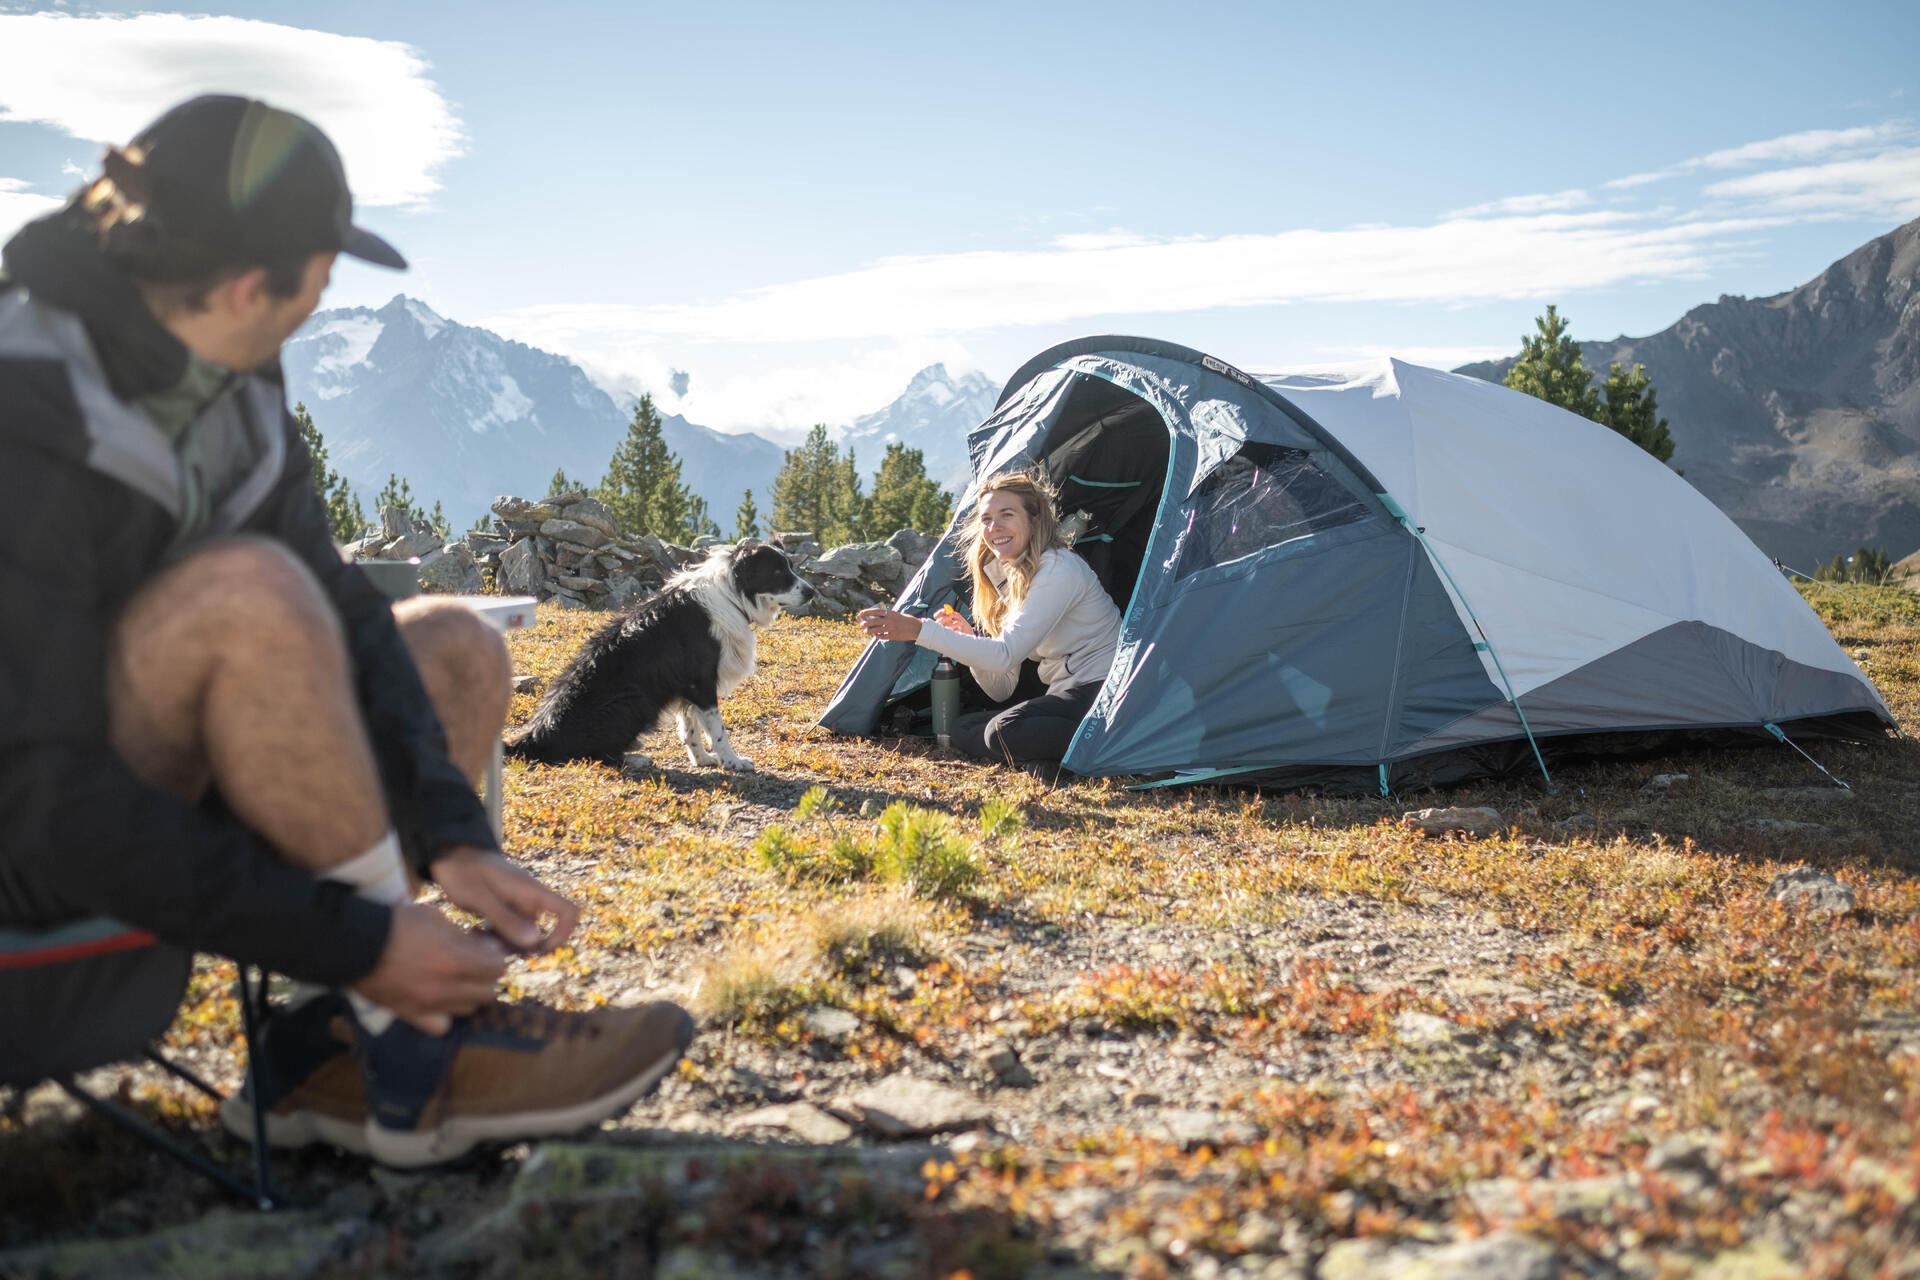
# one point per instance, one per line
(1756, 1260)
(521, 573)
(410, 545)
(1006, 1068)
(802, 1119)
(1680, 1151)
(636, 762)
(561, 529)
(1190, 1130)
(591, 512)
(1502, 1255)
(834, 1026)
(395, 522)
(622, 590)
(527, 684)
(522, 511)
(482, 543)
(914, 547)
(1365, 1259)
(904, 1106)
(707, 542)
(1578, 823)
(224, 1243)
(1419, 1030)
(1472, 822)
(1662, 783)
(588, 587)
(453, 572)
(1811, 890)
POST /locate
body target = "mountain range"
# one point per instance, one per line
(465, 415)
(1797, 414)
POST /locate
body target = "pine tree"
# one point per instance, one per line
(398, 493)
(904, 497)
(1550, 368)
(345, 519)
(1868, 565)
(559, 484)
(634, 471)
(846, 505)
(439, 520)
(746, 518)
(699, 523)
(1632, 411)
(643, 488)
(802, 492)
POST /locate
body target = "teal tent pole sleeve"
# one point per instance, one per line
(1486, 641)
(1384, 790)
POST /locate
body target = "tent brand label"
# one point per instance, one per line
(1221, 366)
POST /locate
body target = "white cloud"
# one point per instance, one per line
(1553, 202)
(1885, 186)
(19, 205)
(102, 78)
(1809, 144)
(1462, 260)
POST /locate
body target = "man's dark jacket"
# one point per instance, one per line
(90, 492)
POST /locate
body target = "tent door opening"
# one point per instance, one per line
(1106, 454)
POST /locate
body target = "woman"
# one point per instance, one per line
(1033, 598)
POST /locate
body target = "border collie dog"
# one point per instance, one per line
(681, 651)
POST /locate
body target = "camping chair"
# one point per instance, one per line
(95, 992)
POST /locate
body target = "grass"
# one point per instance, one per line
(1634, 955)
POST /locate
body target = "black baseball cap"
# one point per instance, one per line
(246, 183)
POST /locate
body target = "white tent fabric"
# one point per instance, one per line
(1508, 490)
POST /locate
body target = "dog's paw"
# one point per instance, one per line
(700, 758)
(736, 764)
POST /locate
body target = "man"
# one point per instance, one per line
(213, 729)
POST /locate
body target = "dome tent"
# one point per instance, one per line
(1379, 576)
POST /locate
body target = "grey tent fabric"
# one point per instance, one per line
(1289, 620)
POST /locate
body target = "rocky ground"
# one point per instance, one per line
(1662, 1020)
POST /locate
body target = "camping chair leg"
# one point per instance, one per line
(252, 1000)
(251, 1017)
(261, 1196)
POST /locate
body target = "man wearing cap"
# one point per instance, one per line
(213, 729)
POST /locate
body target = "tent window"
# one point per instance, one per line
(1262, 496)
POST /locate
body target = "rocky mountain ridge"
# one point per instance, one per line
(1797, 414)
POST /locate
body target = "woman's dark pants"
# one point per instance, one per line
(1034, 731)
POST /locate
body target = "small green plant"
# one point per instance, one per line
(1000, 817)
(918, 848)
(816, 802)
(834, 861)
(909, 846)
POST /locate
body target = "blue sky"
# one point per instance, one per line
(801, 206)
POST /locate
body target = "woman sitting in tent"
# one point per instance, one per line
(1033, 598)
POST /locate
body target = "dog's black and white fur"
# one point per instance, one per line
(681, 651)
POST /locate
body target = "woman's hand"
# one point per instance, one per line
(952, 621)
(886, 624)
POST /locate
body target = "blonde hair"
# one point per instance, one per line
(991, 606)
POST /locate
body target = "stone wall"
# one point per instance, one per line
(570, 550)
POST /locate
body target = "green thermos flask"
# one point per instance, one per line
(946, 699)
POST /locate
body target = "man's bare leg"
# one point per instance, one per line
(232, 666)
(468, 674)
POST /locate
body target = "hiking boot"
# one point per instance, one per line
(308, 1079)
(510, 1072)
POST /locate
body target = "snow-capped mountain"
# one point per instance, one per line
(933, 415)
(466, 415)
